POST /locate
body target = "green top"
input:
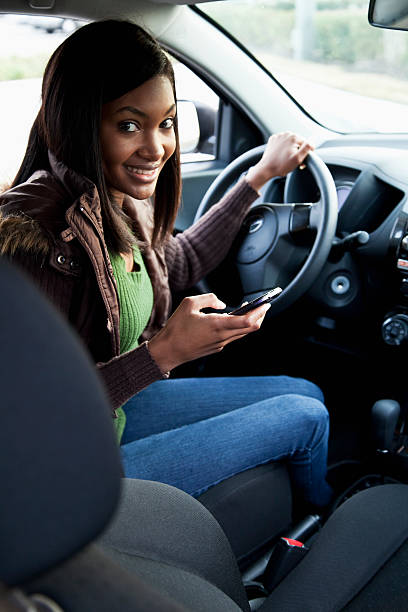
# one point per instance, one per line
(135, 293)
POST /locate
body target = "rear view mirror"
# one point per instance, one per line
(391, 14)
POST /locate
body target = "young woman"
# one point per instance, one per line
(90, 215)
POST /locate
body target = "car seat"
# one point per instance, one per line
(73, 532)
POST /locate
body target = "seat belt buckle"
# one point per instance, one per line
(284, 558)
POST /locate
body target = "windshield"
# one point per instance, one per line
(348, 75)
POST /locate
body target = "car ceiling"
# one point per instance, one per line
(90, 7)
(157, 15)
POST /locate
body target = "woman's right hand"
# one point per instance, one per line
(190, 334)
(283, 153)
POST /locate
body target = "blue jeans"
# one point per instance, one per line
(193, 433)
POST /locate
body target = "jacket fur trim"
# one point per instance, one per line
(21, 233)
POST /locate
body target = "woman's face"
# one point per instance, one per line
(137, 137)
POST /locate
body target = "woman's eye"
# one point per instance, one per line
(127, 126)
(168, 123)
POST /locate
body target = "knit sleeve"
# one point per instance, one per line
(193, 253)
(126, 375)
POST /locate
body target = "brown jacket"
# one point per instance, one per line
(51, 226)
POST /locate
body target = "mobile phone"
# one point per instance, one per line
(262, 299)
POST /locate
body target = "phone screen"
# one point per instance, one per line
(262, 299)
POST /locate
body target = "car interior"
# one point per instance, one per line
(334, 236)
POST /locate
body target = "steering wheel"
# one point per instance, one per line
(285, 244)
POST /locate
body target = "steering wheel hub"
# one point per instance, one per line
(260, 229)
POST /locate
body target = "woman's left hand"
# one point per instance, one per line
(284, 152)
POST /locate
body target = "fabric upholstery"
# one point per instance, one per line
(387, 590)
(358, 539)
(91, 582)
(56, 434)
(167, 536)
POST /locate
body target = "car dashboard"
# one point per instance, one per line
(358, 305)
(372, 187)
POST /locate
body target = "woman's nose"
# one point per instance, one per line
(152, 147)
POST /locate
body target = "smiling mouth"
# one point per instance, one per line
(147, 173)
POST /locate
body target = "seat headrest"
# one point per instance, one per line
(60, 466)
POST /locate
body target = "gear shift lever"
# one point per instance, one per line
(384, 417)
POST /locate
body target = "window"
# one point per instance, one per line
(348, 75)
(197, 109)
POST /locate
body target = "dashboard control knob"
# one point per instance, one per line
(404, 242)
(395, 329)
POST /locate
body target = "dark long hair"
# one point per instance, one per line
(98, 63)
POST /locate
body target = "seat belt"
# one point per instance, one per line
(284, 558)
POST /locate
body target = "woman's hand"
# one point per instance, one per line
(283, 153)
(190, 334)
